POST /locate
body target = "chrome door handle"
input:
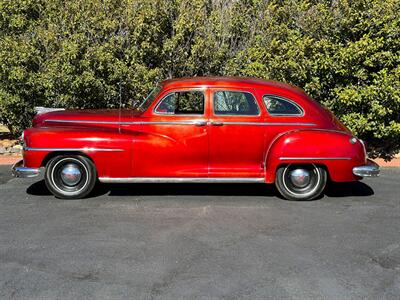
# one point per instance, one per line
(217, 123)
(200, 123)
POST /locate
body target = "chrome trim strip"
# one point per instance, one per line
(181, 180)
(290, 124)
(172, 122)
(19, 171)
(243, 123)
(330, 130)
(74, 149)
(127, 123)
(315, 158)
(80, 121)
(194, 122)
(270, 123)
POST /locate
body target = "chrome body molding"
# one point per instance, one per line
(194, 122)
(315, 158)
(182, 180)
(86, 149)
(371, 169)
(290, 124)
(18, 170)
(269, 123)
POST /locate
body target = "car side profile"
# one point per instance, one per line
(201, 129)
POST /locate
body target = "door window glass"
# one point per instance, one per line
(235, 103)
(182, 103)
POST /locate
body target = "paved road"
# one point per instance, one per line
(200, 242)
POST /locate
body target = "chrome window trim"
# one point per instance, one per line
(237, 91)
(315, 158)
(178, 91)
(302, 114)
(181, 180)
(89, 149)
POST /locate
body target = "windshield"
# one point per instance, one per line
(144, 105)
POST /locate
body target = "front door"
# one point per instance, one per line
(236, 134)
(173, 142)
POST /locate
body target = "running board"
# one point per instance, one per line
(182, 180)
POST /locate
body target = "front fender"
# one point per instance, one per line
(106, 147)
(336, 150)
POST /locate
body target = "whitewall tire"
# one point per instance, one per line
(301, 182)
(70, 176)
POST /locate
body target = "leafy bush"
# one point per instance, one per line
(92, 54)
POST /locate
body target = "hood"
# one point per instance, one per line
(84, 115)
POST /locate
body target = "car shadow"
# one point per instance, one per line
(38, 188)
(348, 189)
(167, 189)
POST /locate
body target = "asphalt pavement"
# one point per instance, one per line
(200, 241)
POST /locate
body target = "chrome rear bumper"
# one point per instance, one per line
(371, 169)
(18, 170)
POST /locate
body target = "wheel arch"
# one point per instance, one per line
(53, 154)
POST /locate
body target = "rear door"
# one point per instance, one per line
(236, 134)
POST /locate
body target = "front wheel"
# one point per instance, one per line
(301, 182)
(70, 176)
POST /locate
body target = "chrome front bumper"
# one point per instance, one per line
(18, 170)
(371, 169)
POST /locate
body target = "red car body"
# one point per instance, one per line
(143, 145)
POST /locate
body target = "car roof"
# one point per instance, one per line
(227, 82)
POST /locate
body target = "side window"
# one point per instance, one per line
(182, 103)
(278, 106)
(235, 103)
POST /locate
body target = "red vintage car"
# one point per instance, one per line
(201, 129)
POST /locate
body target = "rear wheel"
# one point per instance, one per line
(301, 182)
(70, 176)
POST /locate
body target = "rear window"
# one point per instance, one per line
(279, 106)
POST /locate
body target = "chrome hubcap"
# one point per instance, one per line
(71, 175)
(300, 177)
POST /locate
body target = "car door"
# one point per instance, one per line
(174, 141)
(236, 134)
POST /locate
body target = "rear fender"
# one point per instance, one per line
(335, 150)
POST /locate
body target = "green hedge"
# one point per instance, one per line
(95, 53)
